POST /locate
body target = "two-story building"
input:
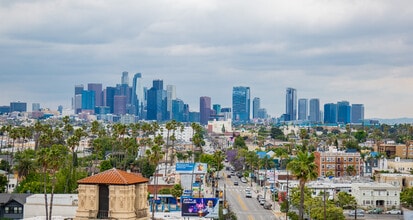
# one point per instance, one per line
(376, 195)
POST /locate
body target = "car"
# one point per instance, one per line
(248, 189)
(248, 194)
(235, 183)
(229, 176)
(259, 196)
(394, 212)
(262, 201)
(243, 180)
(239, 174)
(375, 211)
(359, 213)
(267, 205)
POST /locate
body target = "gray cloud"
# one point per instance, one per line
(358, 51)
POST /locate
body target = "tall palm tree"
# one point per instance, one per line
(170, 126)
(154, 155)
(305, 169)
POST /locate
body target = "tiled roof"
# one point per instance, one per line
(114, 177)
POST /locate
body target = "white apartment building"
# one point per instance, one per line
(373, 194)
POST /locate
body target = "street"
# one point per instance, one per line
(245, 208)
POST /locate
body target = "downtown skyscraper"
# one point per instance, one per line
(241, 104)
(302, 109)
(291, 104)
(314, 116)
(204, 109)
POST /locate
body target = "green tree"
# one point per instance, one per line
(105, 165)
(239, 142)
(277, 133)
(154, 155)
(177, 191)
(344, 200)
(406, 197)
(305, 169)
(3, 183)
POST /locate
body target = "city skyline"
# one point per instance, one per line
(359, 51)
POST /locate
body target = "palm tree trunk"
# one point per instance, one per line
(301, 210)
(45, 196)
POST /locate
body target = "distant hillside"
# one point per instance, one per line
(393, 121)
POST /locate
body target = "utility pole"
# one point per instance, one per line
(325, 213)
(286, 196)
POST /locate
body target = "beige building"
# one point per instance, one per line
(401, 180)
(113, 194)
(376, 195)
(404, 151)
(400, 165)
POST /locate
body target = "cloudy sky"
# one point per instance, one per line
(354, 50)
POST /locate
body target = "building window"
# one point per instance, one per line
(350, 159)
(6, 210)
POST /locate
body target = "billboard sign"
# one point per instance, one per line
(197, 168)
(200, 207)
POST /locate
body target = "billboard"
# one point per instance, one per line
(197, 168)
(200, 207)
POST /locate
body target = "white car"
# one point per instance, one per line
(394, 212)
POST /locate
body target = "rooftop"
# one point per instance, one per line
(114, 177)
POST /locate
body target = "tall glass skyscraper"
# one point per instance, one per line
(256, 105)
(330, 113)
(302, 109)
(156, 107)
(343, 112)
(97, 88)
(357, 113)
(291, 104)
(170, 95)
(314, 110)
(137, 95)
(204, 109)
(241, 104)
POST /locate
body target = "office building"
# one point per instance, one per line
(125, 78)
(35, 107)
(156, 107)
(119, 107)
(18, 106)
(217, 109)
(256, 105)
(291, 104)
(330, 113)
(314, 116)
(137, 96)
(343, 112)
(204, 109)
(88, 100)
(227, 113)
(357, 113)
(4, 109)
(178, 110)
(97, 88)
(170, 95)
(110, 93)
(302, 109)
(77, 102)
(241, 104)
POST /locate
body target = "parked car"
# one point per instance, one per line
(375, 211)
(259, 196)
(394, 212)
(359, 213)
(239, 174)
(262, 201)
(267, 205)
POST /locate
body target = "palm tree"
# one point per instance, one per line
(154, 155)
(305, 169)
(170, 126)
